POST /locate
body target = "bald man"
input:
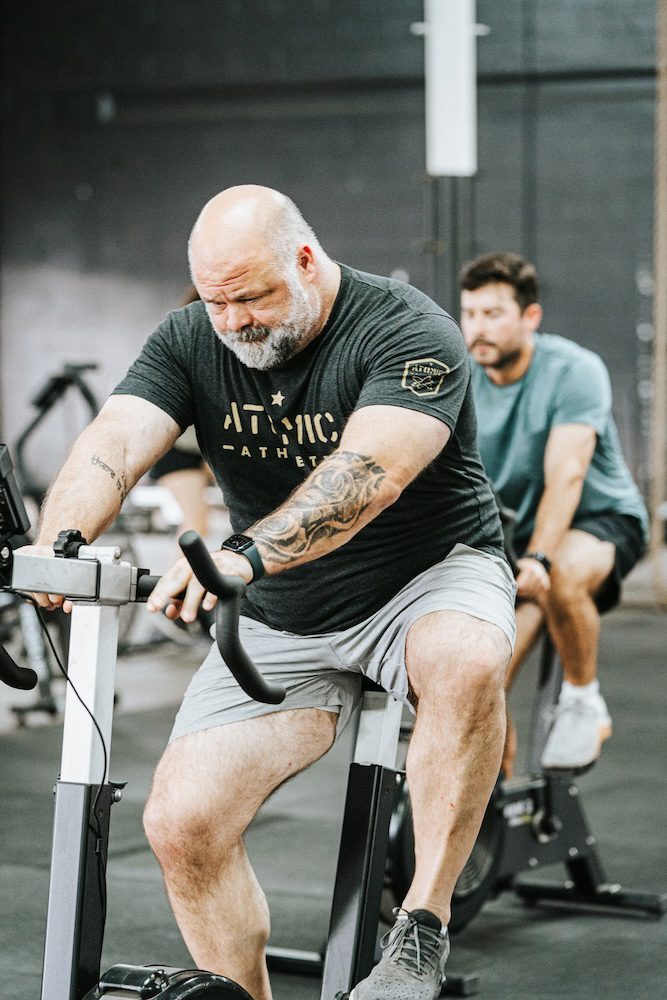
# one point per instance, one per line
(334, 408)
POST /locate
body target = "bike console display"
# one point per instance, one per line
(13, 521)
(13, 517)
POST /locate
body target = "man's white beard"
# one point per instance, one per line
(269, 347)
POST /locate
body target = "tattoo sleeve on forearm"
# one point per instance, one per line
(329, 503)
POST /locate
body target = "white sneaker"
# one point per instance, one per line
(581, 725)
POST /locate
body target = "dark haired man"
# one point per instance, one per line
(550, 447)
(334, 408)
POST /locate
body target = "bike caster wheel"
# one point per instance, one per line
(165, 983)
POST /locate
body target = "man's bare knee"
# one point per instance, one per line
(186, 828)
(580, 565)
(453, 652)
(210, 784)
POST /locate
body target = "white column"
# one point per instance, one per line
(451, 87)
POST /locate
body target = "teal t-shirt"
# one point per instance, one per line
(565, 384)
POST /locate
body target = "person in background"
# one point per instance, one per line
(183, 470)
(550, 448)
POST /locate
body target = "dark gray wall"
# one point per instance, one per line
(120, 119)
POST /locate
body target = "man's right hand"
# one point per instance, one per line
(532, 580)
(47, 601)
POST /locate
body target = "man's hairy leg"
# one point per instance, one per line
(529, 622)
(456, 665)
(581, 564)
(206, 790)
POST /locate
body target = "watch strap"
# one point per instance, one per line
(539, 557)
(251, 552)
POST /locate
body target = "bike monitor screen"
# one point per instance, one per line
(13, 517)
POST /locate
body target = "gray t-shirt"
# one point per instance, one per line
(262, 432)
(565, 384)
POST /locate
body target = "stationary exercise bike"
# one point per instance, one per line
(532, 820)
(98, 582)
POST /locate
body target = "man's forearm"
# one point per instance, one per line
(554, 514)
(89, 490)
(337, 500)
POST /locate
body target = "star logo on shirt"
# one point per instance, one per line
(277, 399)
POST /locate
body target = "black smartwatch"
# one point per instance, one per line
(246, 546)
(539, 557)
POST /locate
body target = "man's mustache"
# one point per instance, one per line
(247, 334)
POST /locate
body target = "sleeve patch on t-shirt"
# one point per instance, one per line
(424, 377)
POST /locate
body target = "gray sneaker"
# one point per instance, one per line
(581, 725)
(412, 966)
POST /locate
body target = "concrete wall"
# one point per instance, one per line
(120, 119)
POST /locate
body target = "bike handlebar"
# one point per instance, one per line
(228, 589)
(21, 678)
(57, 385)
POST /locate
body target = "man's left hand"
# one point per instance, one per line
(180, 578)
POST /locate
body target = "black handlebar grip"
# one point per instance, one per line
(21, 678)
(241, 666)
(145, 586)
(229, 590)
(208, 574)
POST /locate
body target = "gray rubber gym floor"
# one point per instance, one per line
(518, 952)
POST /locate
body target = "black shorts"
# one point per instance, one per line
(625, 533)
(175, 460)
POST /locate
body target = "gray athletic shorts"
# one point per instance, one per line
(324, 671)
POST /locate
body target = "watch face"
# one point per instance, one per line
(237, 543)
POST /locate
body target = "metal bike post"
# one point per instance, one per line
(371, 792)
(549, 683)
(77, 890)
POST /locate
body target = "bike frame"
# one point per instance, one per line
(83, 796)
(100, 583)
